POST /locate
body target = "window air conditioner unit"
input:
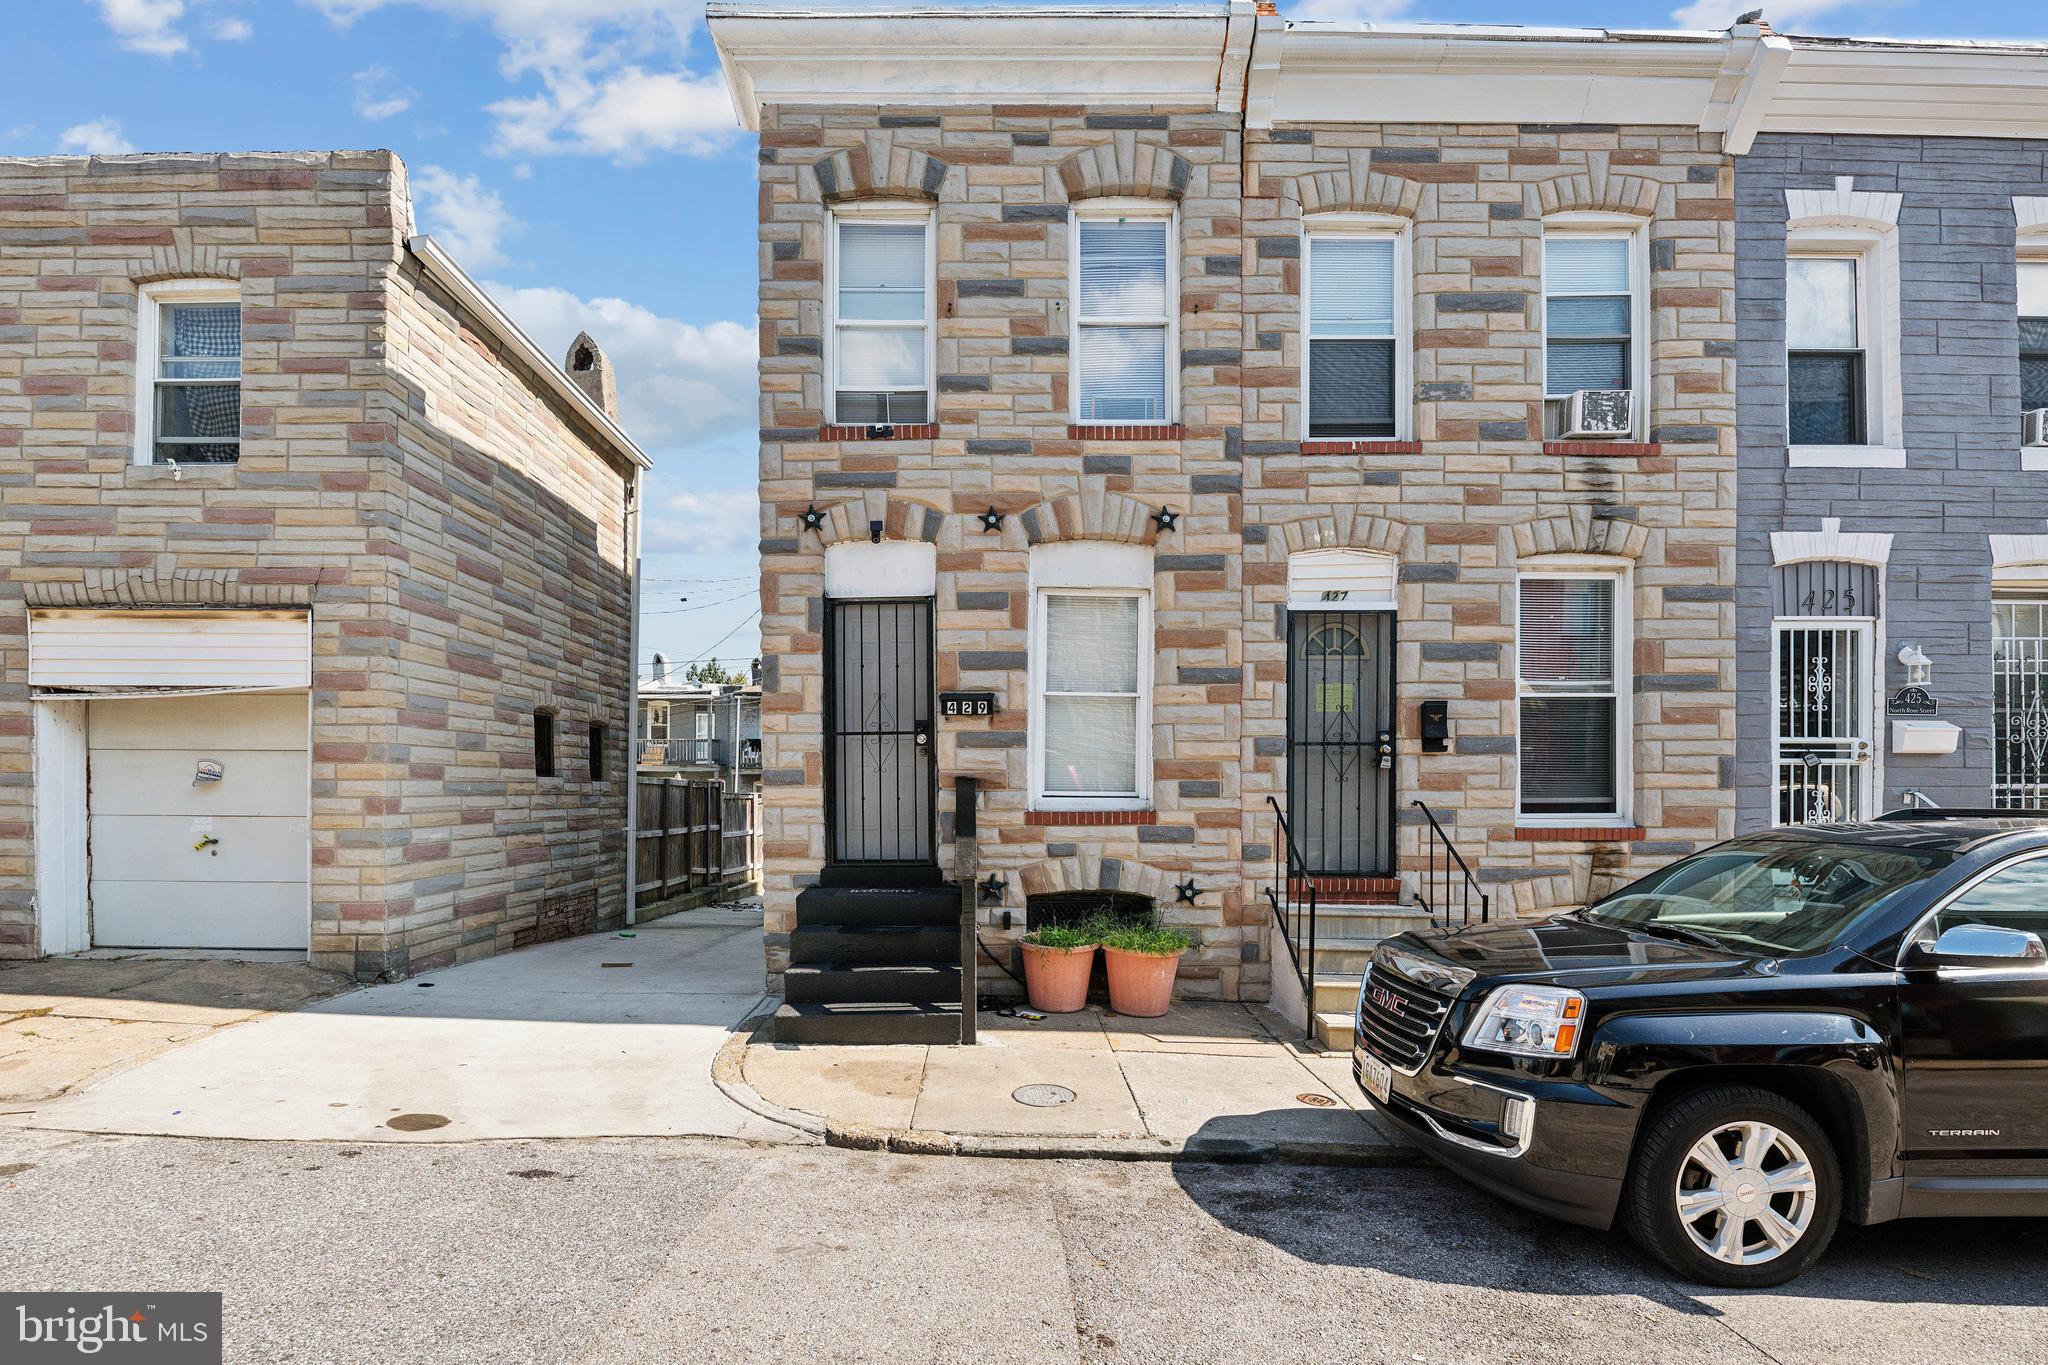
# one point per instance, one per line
(2034, 428)
(1599, 414)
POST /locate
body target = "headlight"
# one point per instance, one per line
(1528, 1021)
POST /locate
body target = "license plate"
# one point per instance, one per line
(1376, 1076)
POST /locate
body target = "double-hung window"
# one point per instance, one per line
(1123, 319)
(2033, 335)
(190, 360)
(881, 319)
(1569, 684)
(1588, 312)
(1825, 360)
(1354, 365)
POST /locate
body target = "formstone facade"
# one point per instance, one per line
(456, 529)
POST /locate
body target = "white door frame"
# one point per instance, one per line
(62, 828)
(1864, 629)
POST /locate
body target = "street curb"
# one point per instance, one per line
(728, 1073)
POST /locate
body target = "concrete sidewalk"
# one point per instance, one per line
(607, 1035)
(1214, 1080)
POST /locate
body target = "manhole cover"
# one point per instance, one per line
(415, 1123)
(1319, 1101)
(1042, 1096)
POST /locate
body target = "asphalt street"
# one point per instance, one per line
(709, 1250)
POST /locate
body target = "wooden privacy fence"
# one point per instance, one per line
(693, 836)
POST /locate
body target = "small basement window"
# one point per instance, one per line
(1075, 907)
(543, 744)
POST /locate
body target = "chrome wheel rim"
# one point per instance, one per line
(1745, 1193)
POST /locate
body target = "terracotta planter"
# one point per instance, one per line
(1140, 984)
(1056, 979)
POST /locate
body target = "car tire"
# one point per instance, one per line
(1760, 1214)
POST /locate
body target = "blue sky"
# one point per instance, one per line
(581, 157)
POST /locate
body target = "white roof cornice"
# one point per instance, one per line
(1890, 88)
(940, 55)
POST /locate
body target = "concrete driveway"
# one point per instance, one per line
(600, 1036)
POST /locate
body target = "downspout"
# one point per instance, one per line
(632, 725)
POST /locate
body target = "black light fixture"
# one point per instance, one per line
(993, 889)
(1187, 891)
(1166, 518)
(812, 517)
(874, 533)
(991, 520)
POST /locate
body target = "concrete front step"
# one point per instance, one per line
(1333, 1030)
(875, 945)
(874, 1021)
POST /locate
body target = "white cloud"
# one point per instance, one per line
(468, 218)
(1349, 11)
(679, 382)
(379, 95)
(612, 77)
(146, 25)
(101, 137)
(233, 30)
(712, 522)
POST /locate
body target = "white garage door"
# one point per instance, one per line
(180, 863)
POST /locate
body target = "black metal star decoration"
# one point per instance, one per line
(992, 888)
(1166, 517)
(813, 518)
(1187, 891)
(991, 520)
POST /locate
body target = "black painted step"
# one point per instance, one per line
(827, 907)
(880, 874)
(877, 945)
(841, 985)
(868, 1022)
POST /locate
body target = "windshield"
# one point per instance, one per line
(1774, 894)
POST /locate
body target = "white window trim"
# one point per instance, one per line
(1636, 231)
(1874, 645)
(1622, 576)
(1365, 227)
(1090, 568)
(1876, 253)
(149, 303)
(881, 211)
(2032, 248)
(1110, 210)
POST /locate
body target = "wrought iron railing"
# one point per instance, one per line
(1293, 897)
(1449, 890)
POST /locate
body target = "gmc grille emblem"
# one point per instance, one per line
(1386, 1000)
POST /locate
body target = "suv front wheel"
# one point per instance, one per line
(1734, 1186)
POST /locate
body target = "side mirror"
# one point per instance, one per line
(1978, 945)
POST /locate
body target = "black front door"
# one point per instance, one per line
(880, 788)
(1974, 1040)
(1340, 723)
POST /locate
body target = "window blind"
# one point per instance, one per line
(1588, 314)
(1567, 631)
(1585, 265)
(881, 271)
(1091, 703)
(1351, 287)
(1123, 271)
(1123, 374)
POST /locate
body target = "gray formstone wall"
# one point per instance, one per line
(1962, 481)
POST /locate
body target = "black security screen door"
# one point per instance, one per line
(878, 722)
(1340, 699)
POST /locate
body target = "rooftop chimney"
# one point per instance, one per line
(660, 668)
(592, 371)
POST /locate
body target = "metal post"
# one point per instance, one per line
(966, 864)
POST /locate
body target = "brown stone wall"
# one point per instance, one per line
(1003, 180)
(1478, 492)
(355, 472)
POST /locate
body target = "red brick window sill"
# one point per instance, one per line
(1625, 450)
(1092, 431)
(902, 431)
(1386, 888)
(1580, 834)
(1361, 447)
(1091, 817)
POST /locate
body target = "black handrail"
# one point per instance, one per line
(1290, 880)
(1438, 870)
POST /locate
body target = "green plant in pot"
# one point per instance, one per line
(1143, 960)
(1058, 959)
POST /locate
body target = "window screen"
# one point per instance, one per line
(1122, 308)
(1351, 336)
(1568, 699)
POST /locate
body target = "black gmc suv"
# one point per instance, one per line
(1739, 1050)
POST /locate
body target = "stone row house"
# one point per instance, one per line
(316, 577)
(1273, 458)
